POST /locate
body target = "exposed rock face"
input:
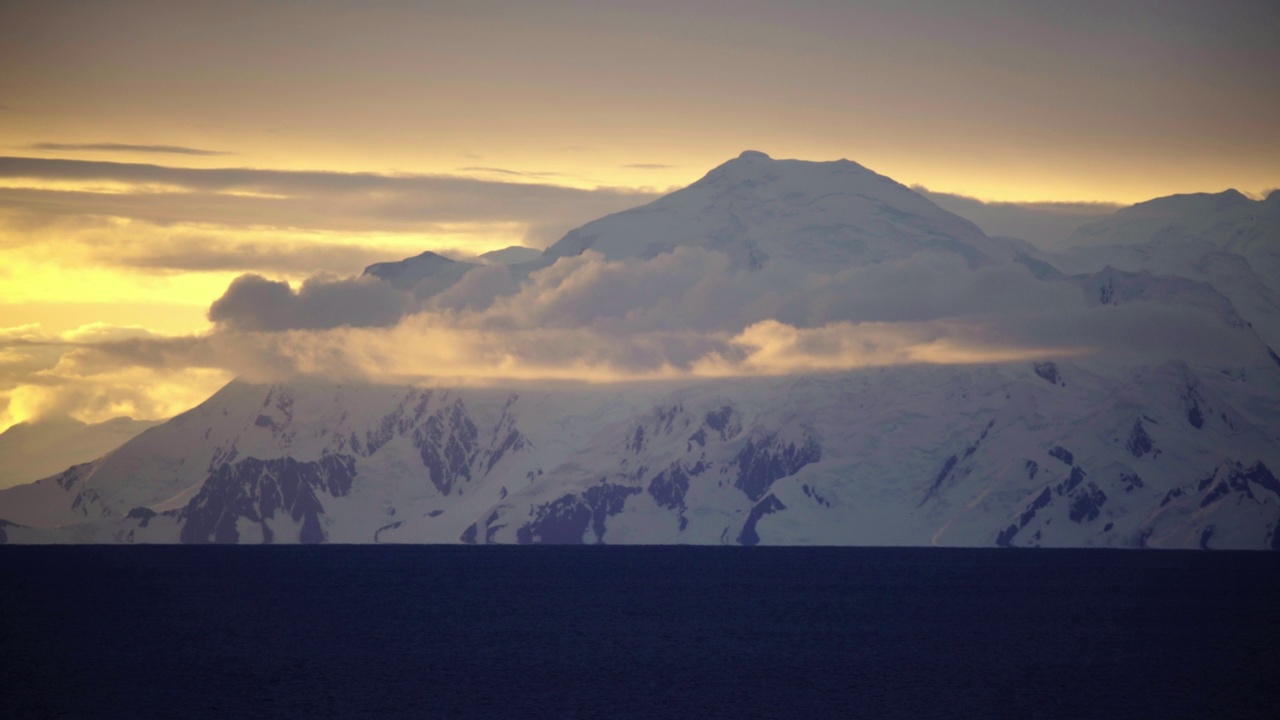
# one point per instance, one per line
(769, 504)
(566, 521)
(667, 461)
(760, 464)
(263, 490)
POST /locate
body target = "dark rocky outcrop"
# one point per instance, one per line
(1062, 454)
(766, 460)
(565, 521)
(1048, 372)
(258, 490)
(669, 486)
(1087, 504)
(769, 504)
(1005, 537)
(949, 465)
(1139, 442)
(142, 515)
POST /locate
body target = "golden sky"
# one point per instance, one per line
(154, 151)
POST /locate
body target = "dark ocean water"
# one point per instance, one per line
(636, 632)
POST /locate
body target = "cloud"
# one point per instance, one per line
(1045, 224)
(253, 303)
(686, 314)
(198, 252)
(296, 199)
(505, 171)
(121, 147)
(46, 375)
(773, 348)
(649, 166)
(113, 246)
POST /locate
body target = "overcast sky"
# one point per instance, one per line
(152, 152)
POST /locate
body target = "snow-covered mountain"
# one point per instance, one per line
(1228, 220)
(1225, 241)
(1026, 454)
(1083, 450)
(425, 274)
(32, 450)
(758, 209)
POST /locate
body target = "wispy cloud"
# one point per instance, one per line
(517, 173)
(122, 147)
(649, 166)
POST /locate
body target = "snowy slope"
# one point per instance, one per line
(917, 456)
(1225, 241)
(1026, 454)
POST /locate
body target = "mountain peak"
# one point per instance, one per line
(755, 208)
(406, 274)
(1190, 203)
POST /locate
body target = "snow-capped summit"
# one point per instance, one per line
(413, 273)
(758, 210)
(512, 255)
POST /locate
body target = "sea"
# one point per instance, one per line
(636, 632)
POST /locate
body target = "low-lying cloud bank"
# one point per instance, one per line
(686, 314)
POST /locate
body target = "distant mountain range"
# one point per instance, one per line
(33, 450)
(1176, 447)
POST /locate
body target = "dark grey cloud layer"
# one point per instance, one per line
(123, 147)
(305, 199)
(253, 303)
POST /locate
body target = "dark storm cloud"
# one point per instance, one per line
(122, 147)
(303, 199)
(254, 303)
(1046, 224)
